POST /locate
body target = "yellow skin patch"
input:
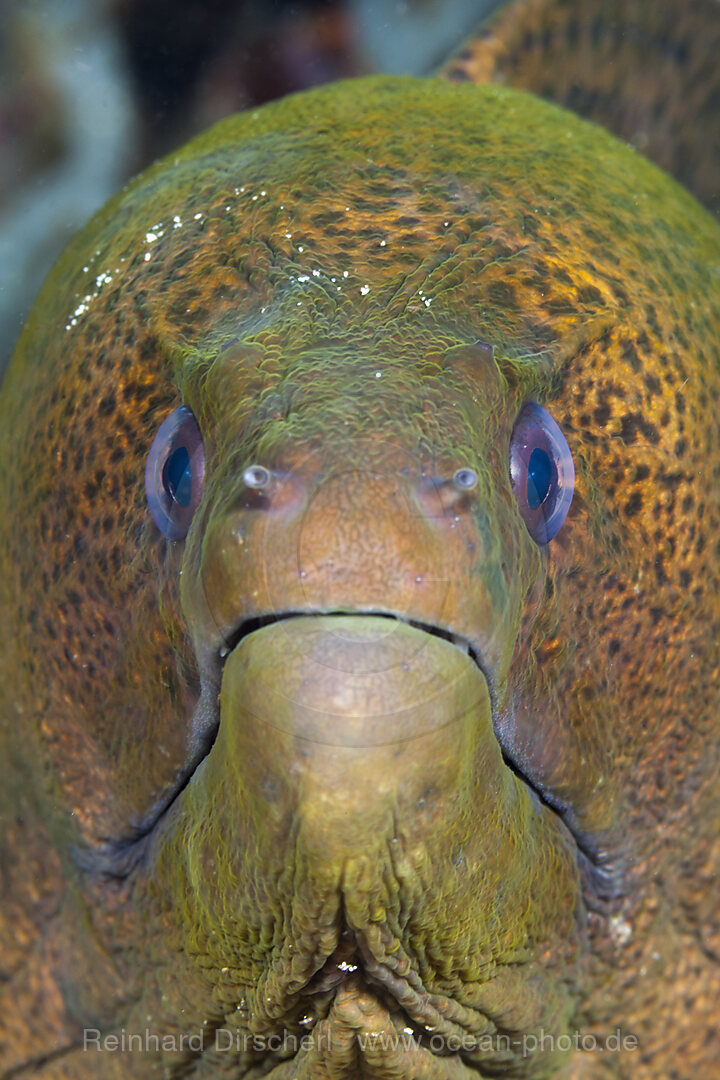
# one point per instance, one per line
(358, 288)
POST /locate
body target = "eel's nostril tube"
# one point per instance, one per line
(257, 477)
(465, 479)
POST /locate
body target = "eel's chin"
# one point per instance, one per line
(356, 858)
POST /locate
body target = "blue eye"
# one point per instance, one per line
(541, 475)
(174, 473)
(541, 471)
(177, 477)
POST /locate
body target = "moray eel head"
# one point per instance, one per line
(356, 742)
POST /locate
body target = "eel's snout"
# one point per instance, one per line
(357, 535)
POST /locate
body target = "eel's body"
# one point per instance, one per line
(337, 742)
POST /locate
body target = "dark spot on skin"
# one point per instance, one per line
(634, 424)
(631, 355)
(652, 321)
(671, 481)
(107, 405)
(502, 293)
(589, 294)
(634, 504)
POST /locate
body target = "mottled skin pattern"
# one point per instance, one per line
(648, 72)
(520, 845)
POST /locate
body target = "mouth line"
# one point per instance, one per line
(250, 625)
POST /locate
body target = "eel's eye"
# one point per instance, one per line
(174, 473)
(541, 471)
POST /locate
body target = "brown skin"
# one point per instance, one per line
(646, 72)
(387, 833)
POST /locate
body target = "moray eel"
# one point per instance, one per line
(359, 596)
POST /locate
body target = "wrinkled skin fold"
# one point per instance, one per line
(348, 760)
(357, 780)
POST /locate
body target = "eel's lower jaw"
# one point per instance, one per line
(602, 877)
(119, 858)
(603, 873)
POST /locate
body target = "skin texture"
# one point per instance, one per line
(646, 72)
(390, 837)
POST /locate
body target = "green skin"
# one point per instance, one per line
(406, 861)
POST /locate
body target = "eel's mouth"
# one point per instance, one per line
(356, 758)
(602, 882)
(364, 807)
(119, 857)
(602, 879)
(249, 626)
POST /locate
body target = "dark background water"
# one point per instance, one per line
(91, 91)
